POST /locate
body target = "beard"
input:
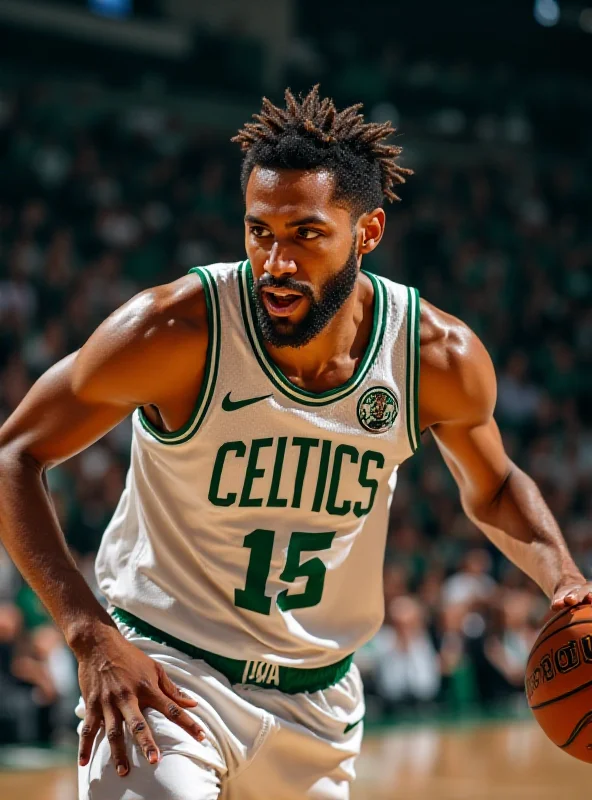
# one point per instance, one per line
(280, 332)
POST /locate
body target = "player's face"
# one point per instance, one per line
(302, 249)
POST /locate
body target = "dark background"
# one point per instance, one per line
(116, 173)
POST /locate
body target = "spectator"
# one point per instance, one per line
(518, 398)
(43, 661)
(507, 645)
(472, 583)
(406, 670)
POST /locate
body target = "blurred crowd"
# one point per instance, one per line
(92, 212)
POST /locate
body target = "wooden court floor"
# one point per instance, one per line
(509, 762)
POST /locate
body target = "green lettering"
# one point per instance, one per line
(274, 501)
(341, 451)
(240, 449)
(253, 597)
(314, 569)
(305, 445)
(252, 473)
(366, 482)
(322, 476)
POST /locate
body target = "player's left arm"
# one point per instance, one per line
(457, 398)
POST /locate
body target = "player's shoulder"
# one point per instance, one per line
(160, 314)
(176, 308)
(158, 332)
(456, 371)
(445, 341)
(182, 300)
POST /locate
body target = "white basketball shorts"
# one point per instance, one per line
(261, 744)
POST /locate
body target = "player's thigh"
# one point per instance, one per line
(295, 764)
(310, 751)
(187, 770)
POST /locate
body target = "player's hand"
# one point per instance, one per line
(571, 594)
(118, 681)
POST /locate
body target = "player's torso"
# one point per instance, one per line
(259, 527)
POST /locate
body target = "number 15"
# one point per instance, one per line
(260, 542)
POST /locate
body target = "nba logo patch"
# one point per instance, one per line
(377, 409)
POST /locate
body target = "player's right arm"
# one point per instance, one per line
(138, 356)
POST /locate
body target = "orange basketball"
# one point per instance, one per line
(559, 681)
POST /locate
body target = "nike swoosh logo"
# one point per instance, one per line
(234, 405)
(352, 725)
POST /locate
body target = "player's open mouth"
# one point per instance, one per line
(281, 302)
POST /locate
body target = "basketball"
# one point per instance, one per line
(559, 681)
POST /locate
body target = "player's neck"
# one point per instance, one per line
(331, 357)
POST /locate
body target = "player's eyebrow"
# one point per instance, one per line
(311, 219)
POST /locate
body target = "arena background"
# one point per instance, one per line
(116, 173)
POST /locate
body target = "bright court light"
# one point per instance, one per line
(546, 12)
(111, 8)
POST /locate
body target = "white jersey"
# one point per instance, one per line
(257, 531)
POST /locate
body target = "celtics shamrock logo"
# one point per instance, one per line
(377, 409)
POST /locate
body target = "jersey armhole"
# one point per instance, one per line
(412, 368)
(210, 374)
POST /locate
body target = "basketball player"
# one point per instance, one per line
(273, 401)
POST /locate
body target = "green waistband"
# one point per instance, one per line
(263, 674)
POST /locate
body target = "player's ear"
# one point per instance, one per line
(371, 229)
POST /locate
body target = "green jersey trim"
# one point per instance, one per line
(211, 371)
(412, 380)
(290, 680)
(279, 380)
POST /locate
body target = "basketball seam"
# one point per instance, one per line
(561, 696)
(538, 643)
(548, 624)
(583, 723)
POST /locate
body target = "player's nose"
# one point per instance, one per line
(279, 262)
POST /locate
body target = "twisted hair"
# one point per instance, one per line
(309, 133)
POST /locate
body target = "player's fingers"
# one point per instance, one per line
(137, 725)
(114, 734)
(176, 714)
(172, 690)
(571, 599)
(557, 604)
(583, 597)
(88, 732)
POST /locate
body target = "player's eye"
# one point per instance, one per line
(260, 232)
(308, 234)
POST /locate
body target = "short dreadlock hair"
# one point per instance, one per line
(310, 134)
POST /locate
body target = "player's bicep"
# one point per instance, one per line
(86, 394)
(476, 458)
(459, 390)
(55, 420)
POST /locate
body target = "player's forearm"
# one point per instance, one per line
(520, 523)
(31, 533)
